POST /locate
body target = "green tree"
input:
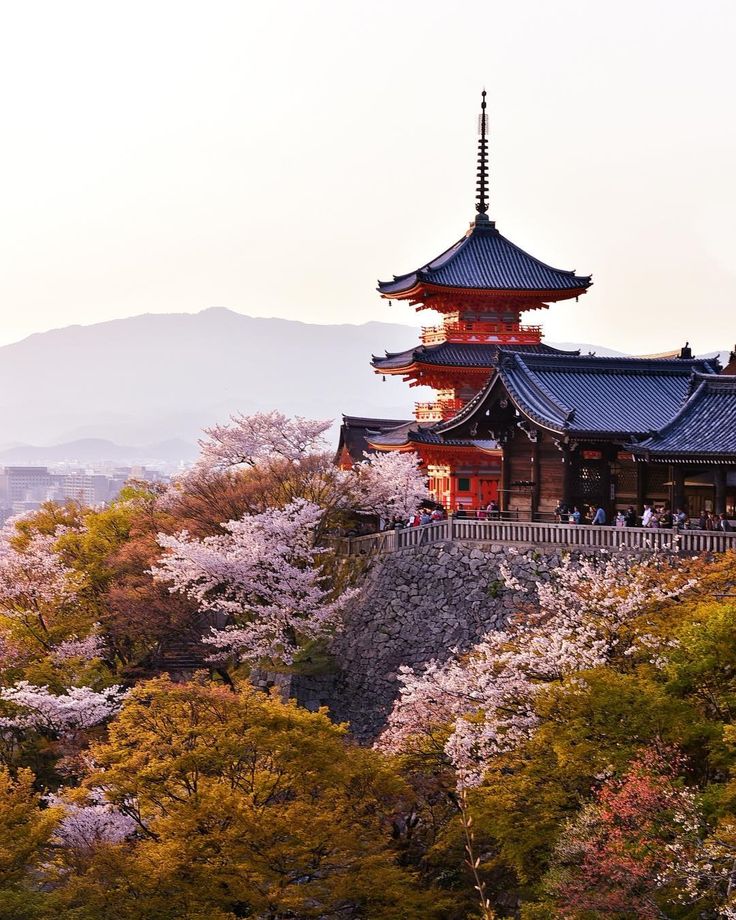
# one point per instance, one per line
(248, 807)
(25, 831)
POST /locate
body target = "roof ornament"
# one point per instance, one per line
(481, 195)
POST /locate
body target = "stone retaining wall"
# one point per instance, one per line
(415, 605)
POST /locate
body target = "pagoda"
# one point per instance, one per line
(480, 286)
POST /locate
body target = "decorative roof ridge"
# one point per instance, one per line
(447, 252)
(592, 362)
(513, 349)
(549, 398)
(395, 354)
(719, 381)
(357, 419)
(467, 410)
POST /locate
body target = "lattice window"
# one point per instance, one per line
(657, 476)
(591, 480)
(626, 479)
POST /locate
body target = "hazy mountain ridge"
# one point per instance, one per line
(156, 380)
(155, 377)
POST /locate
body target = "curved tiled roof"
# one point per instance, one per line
(456, 354)
(426, 433)
(600, 395)
(592, 395)
(355, 432)
(705, 426)
(486, 260)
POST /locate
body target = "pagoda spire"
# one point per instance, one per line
(481, 195)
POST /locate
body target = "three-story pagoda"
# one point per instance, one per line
(480, 286)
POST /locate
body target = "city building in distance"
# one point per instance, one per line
(26, 488)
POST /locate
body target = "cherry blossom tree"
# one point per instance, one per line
(86, 649)
(34, 707)
(34, 582)
(247, 439)
(573, 622)
(391, 484)
(84, 826)
(263, 572)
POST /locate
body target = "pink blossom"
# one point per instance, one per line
(487, 696)
(250, 438)
(391, 484)
(263, 573)
(78, 708)
(92, 646)
(33, 578)
(85, 826)
(10, 654)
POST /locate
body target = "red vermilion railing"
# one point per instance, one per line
(438, 411)
(481, 332)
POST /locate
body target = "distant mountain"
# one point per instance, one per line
(153, 378)
(81, 392)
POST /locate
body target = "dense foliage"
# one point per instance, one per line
(580, 763)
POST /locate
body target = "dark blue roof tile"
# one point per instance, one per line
(600, 394)
(704, 427)
(590, 395)
(486, 260)
(456, 354)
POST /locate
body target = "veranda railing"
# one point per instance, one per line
(535, 533)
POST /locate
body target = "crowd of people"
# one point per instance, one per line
(429, 514)
(426, 514)
(652, 516)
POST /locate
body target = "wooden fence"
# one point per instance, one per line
(533, 533)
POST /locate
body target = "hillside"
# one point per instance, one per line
(81, 393)
(155, 378)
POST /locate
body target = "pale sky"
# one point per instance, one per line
(277, 158)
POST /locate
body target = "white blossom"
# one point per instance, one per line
(83, 827)
(487, 695)
(264, 574)
(78, 708)
(248, 439)
(391, 484)
(86, 649)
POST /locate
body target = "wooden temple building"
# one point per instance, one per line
(529, 426)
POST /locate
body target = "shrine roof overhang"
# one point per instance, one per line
(455, 355)
(355, 432)
(484, 260)
(416, 435)
(587, 396)
(704, 428)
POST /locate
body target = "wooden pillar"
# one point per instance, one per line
(568, 484)
(677, 477)
(536, 472)
(606, 486)
(641, 485)
(503, 498)
(719, 480)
